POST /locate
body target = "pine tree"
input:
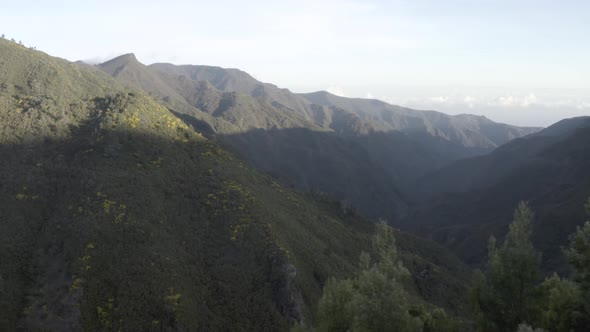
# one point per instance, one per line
(375, 300)
(578, 255)
(560, 305)
(506, 295)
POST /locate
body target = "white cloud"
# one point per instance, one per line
(515, 101)
(336, 90)
(469, 101)
(529, 100)
(440, 99)
(504, 101)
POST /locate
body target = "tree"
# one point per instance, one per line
(578, 255)
(560, 305)
(505, 295)
(375, 300)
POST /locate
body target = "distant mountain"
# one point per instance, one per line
(474, 173)
(469, 131)
(115, 214)
(473, 198)
(320, 107)
(366, 152)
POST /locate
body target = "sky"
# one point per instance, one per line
(524, 62)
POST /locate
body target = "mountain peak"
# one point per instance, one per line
(129, 56)
(124, 59)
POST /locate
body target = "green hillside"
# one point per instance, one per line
(115, 214)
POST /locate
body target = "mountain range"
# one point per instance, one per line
(363, 151)
(116, 213)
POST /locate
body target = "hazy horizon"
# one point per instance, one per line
(522, 62)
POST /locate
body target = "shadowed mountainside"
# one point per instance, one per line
(478, 172)
(473, 198)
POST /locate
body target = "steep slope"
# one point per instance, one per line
(224, 111)
(131, 72)
(475, 198)
(128, 69)
(116, 215)
(239, 81)
(240, 110)
(326, 162)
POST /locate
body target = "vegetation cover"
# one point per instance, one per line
(118, 215)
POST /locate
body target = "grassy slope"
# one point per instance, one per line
(117, 215)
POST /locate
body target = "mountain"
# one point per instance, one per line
(320, 107)
(220, 111)
(466, 130)
(236, 80)
(364, 152)
(115, 214)
(473, 173)
(473, 198)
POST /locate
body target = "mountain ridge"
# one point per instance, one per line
(245, 83)
(399, 144)
(393, 117)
